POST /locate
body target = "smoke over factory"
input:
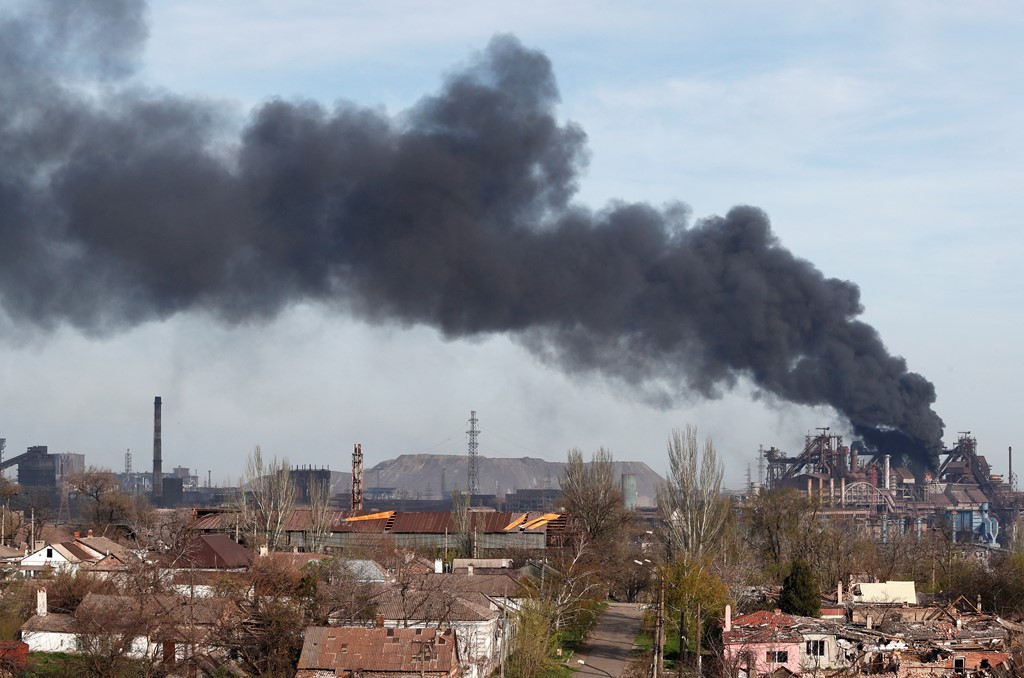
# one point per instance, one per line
(120, 204)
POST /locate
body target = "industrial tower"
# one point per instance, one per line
(474, 485)
(357, 477)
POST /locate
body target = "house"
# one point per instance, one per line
(352, 652)
(60, 557)
(157, 627)
(212, 552)
(917, 642)
(772, 643)
(432, 604)
(885, 593)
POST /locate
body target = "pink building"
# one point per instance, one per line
(760, 643)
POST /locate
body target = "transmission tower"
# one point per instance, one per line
(474, 432)
(128, 463)
(3, 446)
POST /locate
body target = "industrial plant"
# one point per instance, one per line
(961, 492)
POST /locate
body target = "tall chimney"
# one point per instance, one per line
(886, 469)
(158, 462)
(41, 607)
(357, 477)
(1009, 475)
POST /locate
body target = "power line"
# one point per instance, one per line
(512, 442)
(431, 447)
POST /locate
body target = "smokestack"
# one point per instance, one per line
(158, 462)
(357, 477)
(887, 470)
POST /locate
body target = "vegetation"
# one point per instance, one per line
(704, 549)
(800, 593)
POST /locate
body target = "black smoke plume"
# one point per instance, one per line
(120, 204)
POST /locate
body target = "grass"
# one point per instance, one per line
(55, 664)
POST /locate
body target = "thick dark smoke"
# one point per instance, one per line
(120, 204)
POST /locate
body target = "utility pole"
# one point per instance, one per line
(700, 632)
(659, 635)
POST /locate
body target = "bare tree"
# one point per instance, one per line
(320, 515)
(691, 508)
(572, 579)
(592, 495)
(114, 634)
(108, 503)
(266, 500)
(332, 593)
(461, 520)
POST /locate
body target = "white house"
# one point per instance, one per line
(63, 557)
(154, 627)
(49, 632)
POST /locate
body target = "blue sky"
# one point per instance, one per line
(883, 139)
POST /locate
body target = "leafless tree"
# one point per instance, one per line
(572, 579)
(333, 593)
(266, 500)
(108, 504)
(320, 516)
(266, 635)
(691, 508)
(462, 520)
(114, 634)
(592, 495)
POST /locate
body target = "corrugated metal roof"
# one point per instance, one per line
(402, 522)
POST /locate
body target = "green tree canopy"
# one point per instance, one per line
(800, 593)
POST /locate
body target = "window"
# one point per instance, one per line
(49, 553)
(815, 648)
(959, 665)
(777, 657)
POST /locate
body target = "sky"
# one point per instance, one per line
(883, 140)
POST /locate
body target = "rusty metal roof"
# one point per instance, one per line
(407, 522)
(346, 649)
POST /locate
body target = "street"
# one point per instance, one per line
(607, 650)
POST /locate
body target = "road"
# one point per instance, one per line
(606, 651)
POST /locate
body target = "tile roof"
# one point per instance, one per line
(342, 649)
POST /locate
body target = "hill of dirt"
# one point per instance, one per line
(425, 475)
